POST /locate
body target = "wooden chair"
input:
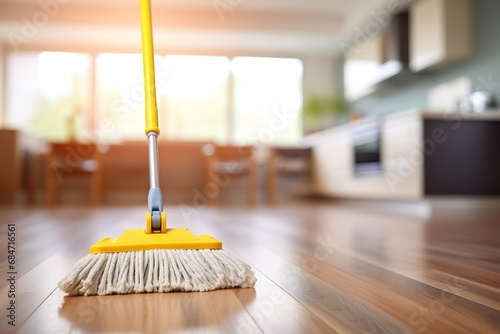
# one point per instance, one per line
(286, 161)
(226, 162)
(73, 159)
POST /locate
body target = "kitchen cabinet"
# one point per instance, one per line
(463, 159)
(423, 153)
(401, 158)
(361, 68)
(440, 33)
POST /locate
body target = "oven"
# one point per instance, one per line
(366, 141)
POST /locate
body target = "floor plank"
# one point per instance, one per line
(214, 311)
(471, 290)
(321, 268)
(275, 311)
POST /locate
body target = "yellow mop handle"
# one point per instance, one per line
(149, 68)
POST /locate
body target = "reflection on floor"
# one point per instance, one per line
(321, 267)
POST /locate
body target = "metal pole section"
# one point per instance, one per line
(153, 159)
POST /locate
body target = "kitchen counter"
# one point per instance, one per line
(313, 139)
(421, 152)
(488, 115)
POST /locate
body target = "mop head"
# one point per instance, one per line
(111, 271)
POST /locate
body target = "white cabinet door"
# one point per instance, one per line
(440, 33)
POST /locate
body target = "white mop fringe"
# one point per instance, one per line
(157, 271)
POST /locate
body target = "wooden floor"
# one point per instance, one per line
(322, 268)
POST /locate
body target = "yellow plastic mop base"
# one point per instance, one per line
(139, 240)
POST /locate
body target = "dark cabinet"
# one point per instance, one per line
(462, 157)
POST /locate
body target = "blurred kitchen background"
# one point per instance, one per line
(260, 102)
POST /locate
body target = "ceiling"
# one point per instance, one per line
(270, 27)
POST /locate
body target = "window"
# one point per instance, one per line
(243, 100)
(120, 96)
(358, 76)
(195, 92)
(267, 97)
(47, 94)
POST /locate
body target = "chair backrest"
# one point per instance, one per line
(233, 153)
(81, 150)
(293, 152)
(79, 156)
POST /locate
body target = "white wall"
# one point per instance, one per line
(319, 75)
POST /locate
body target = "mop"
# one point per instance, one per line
(157, 258)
